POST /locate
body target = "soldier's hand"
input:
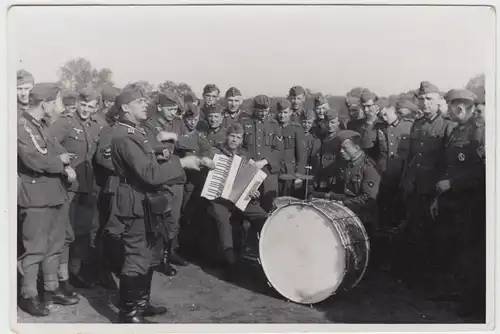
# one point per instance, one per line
(434, 208)
(166, 136)
(191, 162)
(442, 186)
(208, 163)
(261, 163)
(297, 183)
(255, 194)
(164, 156)
(371, 114)
(70, 174)
(66, 158)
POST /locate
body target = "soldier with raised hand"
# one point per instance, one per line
(354, 108)
(43, 169)
(233, 112)
(329, 150)
(321, 107)
(424, 166)
(460, 204)
(78, 134)
(364, 126)
(264, 142)
(25, 82)
(293, 160)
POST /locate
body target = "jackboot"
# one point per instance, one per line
(151, 310)
(231, 269)
(164, 267)
(59, 297)
(173, 257)
(133, 299)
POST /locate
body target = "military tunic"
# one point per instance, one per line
(231, 118)
(293, 160)
(367, 133)
(328, 156)
(41, 195)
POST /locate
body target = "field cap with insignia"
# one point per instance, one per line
(320, 100)
(261, 102)
(212, 109)
(190, 97)
(331, 115)
(233, 91)
(308, 114)
(235, 128)
(352, 101)
(343, 135)
(109, 93)
(128, 95)
(24, 77)
(282, 104)
(426, 88)
(367, 95)
(69, 98)
(167, 98)
(210, 88)
(191, 111)
(406, 104)
(460, 94)
(296, 91)
(87, 94)
(44, 91)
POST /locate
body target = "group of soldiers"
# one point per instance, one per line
(110, 180)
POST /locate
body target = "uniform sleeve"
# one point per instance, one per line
(276, 151)
(369, 188)
(33, 159)
(129, 151)
(205, 148)
(300, 151)
(103, 152)
(380, 151)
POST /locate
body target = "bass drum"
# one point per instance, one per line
(311, 250)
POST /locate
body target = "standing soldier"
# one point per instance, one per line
(25, 82)
(293, 160)
(424, 166)
(364, 126)
(405, 109)
(190, 98)
(108, 95)
(233, 112)
(140, 203)
(460, 203)
(70, 103)
(264, 143)
(480, 104)
(321, 107)
(43, 168)
(216, 134)
(312, 143)
(329, 151)
(78, 134)
(297, 96)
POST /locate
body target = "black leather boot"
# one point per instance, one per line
(151, 310)
(231, 270)
(164, 267)
(59, 297)
(66, 288)
(33, 306)
(106, 279)
(133, 300)
(173, 257)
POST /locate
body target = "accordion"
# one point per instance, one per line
(233, 178)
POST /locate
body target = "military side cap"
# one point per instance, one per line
(88, 94)
(212, 109)
(460, 94)
(367, 95)
(426, 87)
(128, 95)
(383, 102)
(481, 95)
(261, 102)
(331, 115)
(233, 91)
(69, 98)
(167, 98)
(296, 91)
(210, 88)
(190, 97)
(351, 101)
(191, 111)
(24, 77)
(307, 114)
(44, 91)
(235, 128)
(320, 100)
(109, 93)
(347, 134)
(282, 104)
(406, 104)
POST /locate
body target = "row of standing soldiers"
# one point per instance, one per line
(412, 176)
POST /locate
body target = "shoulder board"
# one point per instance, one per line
(369, 161)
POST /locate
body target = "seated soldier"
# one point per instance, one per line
(355, 181)
(223, 210)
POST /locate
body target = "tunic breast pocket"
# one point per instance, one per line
(248, 138)
(289, 142)
(268, 139)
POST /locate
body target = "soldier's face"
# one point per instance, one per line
(429, 103)
(459, 112)
(211, 98)
(137, 109)
(214, 120)
(307, 124)
(348, 150)
(23, 93)
(367, 106)
(234, 103)
(284, 115)
(191, 122)
(297, 101)
(479, 112)
(355, 112)
(261, 113)
(169, 112)
(53, 109)
(234, 140)
(321, 110)
(388, 115)
(86, 108)
(333, 125)
(70, 109)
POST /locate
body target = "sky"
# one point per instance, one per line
(261, 49)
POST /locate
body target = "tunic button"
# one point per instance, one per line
(392, 144)
(33, 181)
(421, 144)
(418, 165)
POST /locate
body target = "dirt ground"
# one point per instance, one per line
(199, 295)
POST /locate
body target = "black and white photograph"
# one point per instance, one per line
(311, 165)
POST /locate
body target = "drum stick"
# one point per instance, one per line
(308, 168)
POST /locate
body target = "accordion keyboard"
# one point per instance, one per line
(217, 177)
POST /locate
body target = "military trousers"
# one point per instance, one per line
(391, 205)
(269, 191)
(43, 234)
(173, 224)
(69, 237)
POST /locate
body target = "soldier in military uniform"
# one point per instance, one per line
(140, 203)
(25, 82)
(460, 204)
(216, 134)
(78, 134)
(424, 166)
(43, 169)
(233, 112)
(328, 152)
(364, 126)
(70, 103)
(293, 160)
(297, 97)
(321, 107)
(355, 180)
(106, 101)
(405, 109)
(264, 142)
(312, 143)
(354, 109)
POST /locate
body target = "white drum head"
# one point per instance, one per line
(302, 254)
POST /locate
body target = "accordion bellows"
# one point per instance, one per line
(233, 178)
